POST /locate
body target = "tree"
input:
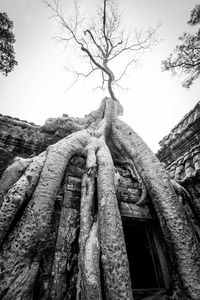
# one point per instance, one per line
(186, 57)
(103, 41)
(7, 39)
(29, 188)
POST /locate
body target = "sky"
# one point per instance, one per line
(154, 101)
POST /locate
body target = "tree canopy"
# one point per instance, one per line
(185, 59)
(103, 40)
(7, 39)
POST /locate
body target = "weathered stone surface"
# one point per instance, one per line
(74, 184)
(23, 138)
(64, 270)
(58, 268)
(125, 194)
(132, 210)
(72, 199)
(182, 137)
(6, 158)
(180, 151)
(177, 231)
(43, 284)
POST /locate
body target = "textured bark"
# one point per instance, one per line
(88, 285)
(89, 277)
(103, 269)
(43, 283)
(178, 233)
(195, 203)
(12, 174)
(114, 259)
(143, 197)
(21, 288)
(30, 233)
(67, 232)
(20, 192)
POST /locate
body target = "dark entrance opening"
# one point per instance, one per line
(143, 260)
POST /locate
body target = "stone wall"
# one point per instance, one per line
(183, 137)
(58, 270)
(20, 138)
(180, 152)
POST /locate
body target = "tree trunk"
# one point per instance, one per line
(178, 233)
(117, 282)
(103, 268)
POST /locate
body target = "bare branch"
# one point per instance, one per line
(58, 16)
(73, 83)
(126, 68)
(94, 41)
(103, 40)
(104, 26)
(78, 75)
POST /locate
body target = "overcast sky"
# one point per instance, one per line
(37, 88)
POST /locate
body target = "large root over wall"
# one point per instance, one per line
(28, 202)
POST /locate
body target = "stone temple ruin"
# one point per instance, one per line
(152, 270)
